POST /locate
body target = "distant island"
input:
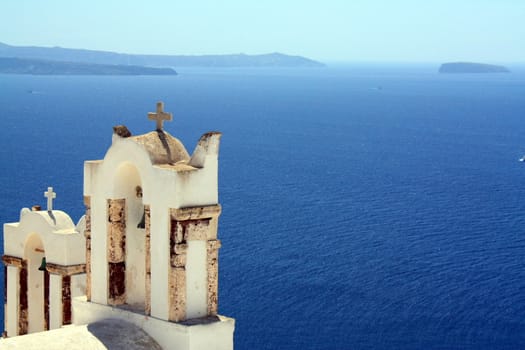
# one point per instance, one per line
(470, 67)
(13, 65)
(172, 61)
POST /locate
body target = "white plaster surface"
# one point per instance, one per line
(127, 181)
(11, 314)
(106, 334)
(196, 280)
(35, 283)
(192, 187)
(160, 262)
(78, 285)
(63, 245)
(55, 301)
(99, 265)
(81, 225)
(217, 335)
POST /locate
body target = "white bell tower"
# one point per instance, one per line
(151, 237)
(45, 269)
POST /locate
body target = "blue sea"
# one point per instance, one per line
(364, 206)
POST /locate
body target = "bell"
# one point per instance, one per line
(142, 223)
(42, 265)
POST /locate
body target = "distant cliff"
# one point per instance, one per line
(469, 67)
(13, 65)
(106, 57)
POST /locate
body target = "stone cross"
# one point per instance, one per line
(160, 116)
(50, 195)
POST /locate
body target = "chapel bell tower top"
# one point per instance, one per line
(157, 253)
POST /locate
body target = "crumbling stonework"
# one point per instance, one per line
(4, 334)
(194, 213)
(116, 241)
(213, 276)
(177, 282)
(5, 297)
(177, 285)
(66, 300)
(117, 283)
(23, 321)
(196, 230)
(65, 270)
(46, 300)
(147, 216)
(192, 224)
(87, 234)
(13, 261)
(116, 228)
(116, 251)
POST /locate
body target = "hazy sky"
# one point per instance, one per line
(329, 30)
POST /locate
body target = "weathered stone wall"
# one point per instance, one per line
(147, 304)
(87, 234)
(23, 313)
(188, 224)
(5, 301)
(66, 270)
(177, 282)
(213, 276)
(116, 251)
(66, 300)
(46, 300)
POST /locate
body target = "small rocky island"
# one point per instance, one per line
(13, 65)
(470, 67)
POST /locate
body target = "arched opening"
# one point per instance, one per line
(128, 186)
(37, 287)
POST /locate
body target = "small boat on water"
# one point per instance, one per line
(522, 159)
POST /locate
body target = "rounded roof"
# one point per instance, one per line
(162, 147)
(56, 221)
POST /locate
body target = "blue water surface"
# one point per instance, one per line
(364, 207)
